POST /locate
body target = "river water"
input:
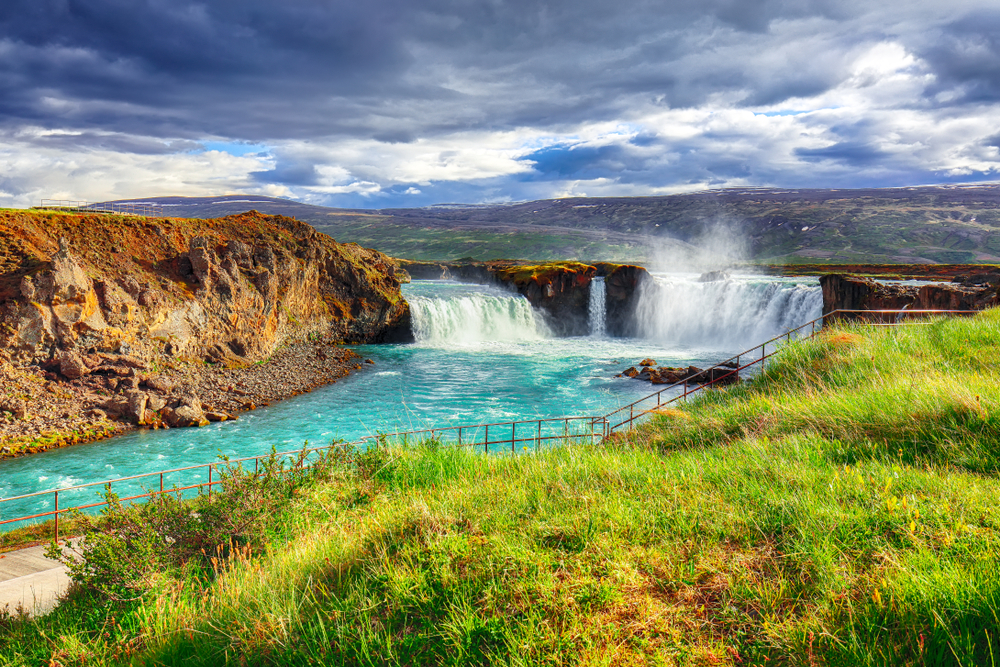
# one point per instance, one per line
(482, 355)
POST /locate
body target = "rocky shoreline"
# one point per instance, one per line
(58, 412)
(111, 323)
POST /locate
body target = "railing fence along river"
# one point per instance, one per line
(492, 438)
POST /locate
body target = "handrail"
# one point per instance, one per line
(731, 372)
(505, 434)
(589, 429)
(148, 209)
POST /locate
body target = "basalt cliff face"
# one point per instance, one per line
(623, 284)
(844, 292)
(561, 290)
(218, 290)
(108, 306)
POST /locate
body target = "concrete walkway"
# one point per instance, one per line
(30, 581)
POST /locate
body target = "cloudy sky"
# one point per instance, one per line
(382, 103)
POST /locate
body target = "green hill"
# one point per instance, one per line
(933, 224)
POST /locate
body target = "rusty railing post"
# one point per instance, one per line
(486, 440)
(513, 428)
(210, 480)
(57, 516)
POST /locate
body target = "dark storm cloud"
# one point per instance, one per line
(965, 58)
(583, 162)
(847, 152)
(261, 69)
(112, 142)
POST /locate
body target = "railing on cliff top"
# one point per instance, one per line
(148, 209)
(498, 437)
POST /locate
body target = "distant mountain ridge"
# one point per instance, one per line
(921, 224)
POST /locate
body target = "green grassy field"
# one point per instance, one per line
(840, 509)
(939, 224)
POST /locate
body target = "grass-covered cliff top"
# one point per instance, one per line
(841, 509)
(544, 273)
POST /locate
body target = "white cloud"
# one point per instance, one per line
(31, 172)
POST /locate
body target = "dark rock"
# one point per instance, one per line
(183, 416)
(159, 383)
(631, 372)
(842, 292)
(647, 362)
(623, 286)
(16, 407)
(670, 375)
(72, 366)
(424, 270)
(202, 259)
(980, 279)
(136, 412)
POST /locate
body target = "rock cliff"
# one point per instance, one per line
(231, 289)
(623, 284)
(561, 290)
(843, 292)
(120, 309)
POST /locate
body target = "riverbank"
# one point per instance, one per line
(49, 411)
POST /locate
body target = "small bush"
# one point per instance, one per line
(127, 547)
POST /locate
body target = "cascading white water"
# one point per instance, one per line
(726, 314)
(598, 310)
(472, 318)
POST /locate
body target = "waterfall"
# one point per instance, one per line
(598, 314)
(475, 318)
(730, 314)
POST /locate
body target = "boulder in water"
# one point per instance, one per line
(647, 362)
(630, 372)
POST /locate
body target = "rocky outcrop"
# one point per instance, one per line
(560, 290)
(725, 373)
(844, 292)
(623, 285)
(101, 300)
(227, 291)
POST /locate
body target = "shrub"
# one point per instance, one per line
(128, 546)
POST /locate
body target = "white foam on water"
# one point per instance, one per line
(474, 318)
(736, 313)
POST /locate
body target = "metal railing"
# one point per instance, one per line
(728, 371)
(147, 209)
(492, 438)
